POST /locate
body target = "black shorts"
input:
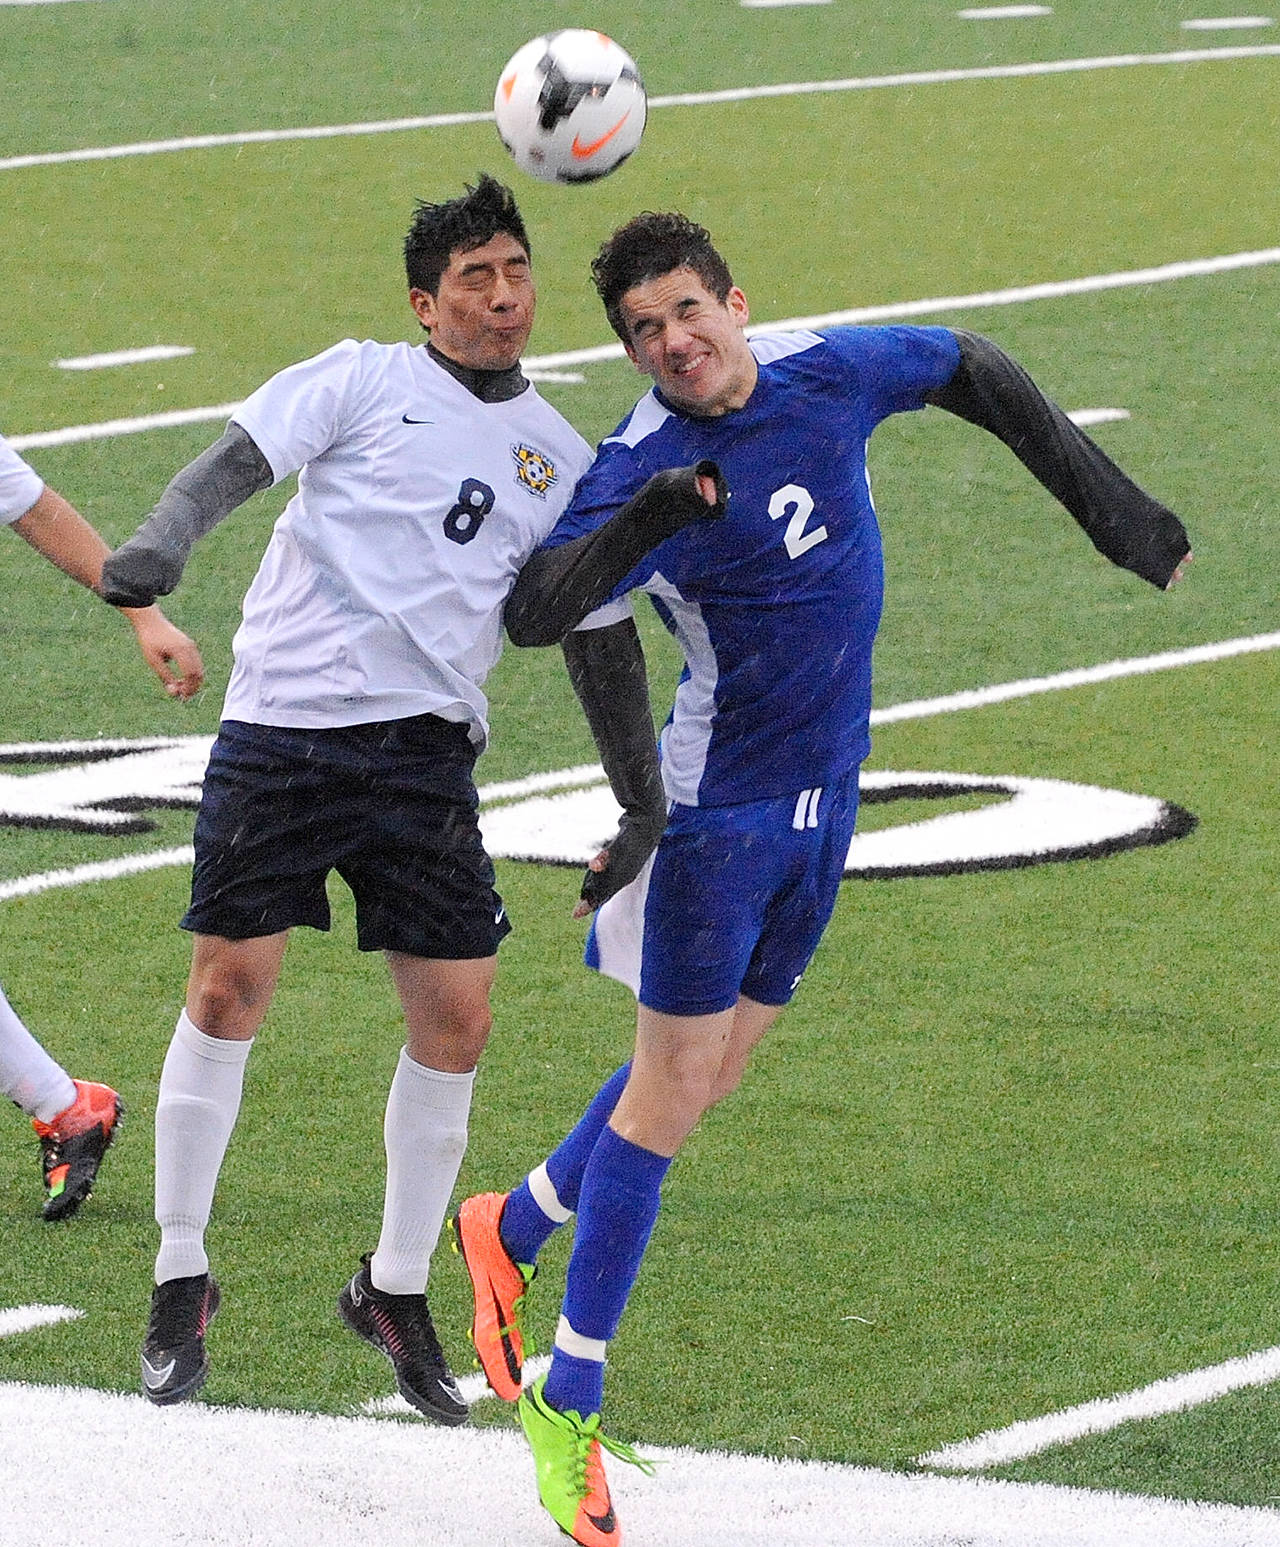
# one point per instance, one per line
(390, 806)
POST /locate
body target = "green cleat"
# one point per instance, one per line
(571, 1482)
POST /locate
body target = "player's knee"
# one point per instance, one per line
(224, 1000)
(453, 1038)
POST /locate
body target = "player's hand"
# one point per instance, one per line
(1180, 571)
(622, 861)
(678, 495)
(169, 653)
(136, 573)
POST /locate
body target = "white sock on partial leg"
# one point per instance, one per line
(425, 1132)
(38, 1083)
(197, 1108)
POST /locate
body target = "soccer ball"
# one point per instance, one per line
(570, 106)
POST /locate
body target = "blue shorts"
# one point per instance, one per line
(390, 806)
(734, 902)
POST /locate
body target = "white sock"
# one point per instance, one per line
(38, 1083)
(425, 1132)
(198, 1104)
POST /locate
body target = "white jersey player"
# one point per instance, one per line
(75, 1120)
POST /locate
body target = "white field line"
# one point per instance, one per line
(1193, 268)
(681, 99)
(264, 1479)
(589, 773)
(124, 357)
(1110, 671)
(1226, 23)
(26, 1318)
(103, 870)
(1172, 1395)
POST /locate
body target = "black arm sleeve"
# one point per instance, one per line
(1122, 521)
(558, 587)
(151, 562)
(606, 667)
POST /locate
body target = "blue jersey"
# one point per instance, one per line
(776, 606)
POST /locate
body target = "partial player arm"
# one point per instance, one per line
(606, 667)
(150, 564)
(60, 533)
(1122, 521)
(558, 587)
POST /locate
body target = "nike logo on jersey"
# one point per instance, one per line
(154, 1379)
(405, 419)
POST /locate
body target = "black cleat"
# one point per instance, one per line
(73, 1144)
(174, 1363)
(400, 1327)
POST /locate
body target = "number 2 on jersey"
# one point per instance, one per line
(799, 502)
(475, 501)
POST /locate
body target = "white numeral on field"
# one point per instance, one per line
(797, 501)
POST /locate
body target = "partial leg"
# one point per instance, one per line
(446, 1006)
(228, 992)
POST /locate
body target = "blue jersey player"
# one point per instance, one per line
(775, 606)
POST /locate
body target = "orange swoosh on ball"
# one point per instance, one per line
(508, 86)
(582, 151)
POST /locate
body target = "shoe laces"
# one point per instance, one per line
(528, 1271)
(589, 1441)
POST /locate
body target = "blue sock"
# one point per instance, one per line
(616, 1213)
(526, 1226)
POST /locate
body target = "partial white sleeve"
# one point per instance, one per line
(299, 413)
(20, 485)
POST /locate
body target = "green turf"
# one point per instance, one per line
(1011, 1148)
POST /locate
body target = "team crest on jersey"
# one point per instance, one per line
(534, 469)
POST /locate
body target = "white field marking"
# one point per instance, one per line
(103, 870)
(1226, 23)
(681, 99)
(265, 1478)
(26, 1318)
(1110, 671)
(773, 5)
(1003, 12)
(591, 773)
(474, 1388)
(1172, 1395)
(1194, 268)
(1016, 295)
(1084, 417)
(572, 378)
(113, 427)
(124, 357)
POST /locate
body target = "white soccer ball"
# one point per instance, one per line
(570, 106)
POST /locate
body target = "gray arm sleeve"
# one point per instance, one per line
(558, 587)
(151, 562)
(606, 667)
(1122, 521)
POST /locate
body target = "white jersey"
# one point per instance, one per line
(20, 485)
(380, 594)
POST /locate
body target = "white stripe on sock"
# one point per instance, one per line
(570, 1342)
(546, 1197)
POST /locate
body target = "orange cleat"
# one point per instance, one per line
(73, 1144)
(499, 1286)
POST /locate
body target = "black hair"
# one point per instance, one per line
(648, 247)
(471, 220)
